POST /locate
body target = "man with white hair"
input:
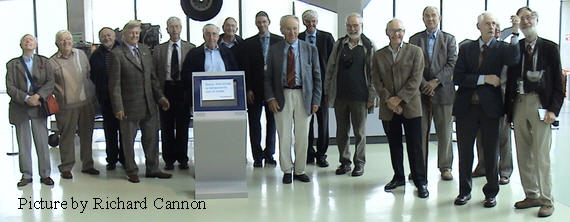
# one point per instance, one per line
(534, 83)
(349, 89)
(479, 104)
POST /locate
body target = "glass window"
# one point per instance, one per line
(375, 16)
(275, 9)
(52, 17)
(229, 9)
(111, 13)
(459, 21)
(548, 26)
(157, 12)
(328, 20)
(410, 12)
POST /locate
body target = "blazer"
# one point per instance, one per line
(467, 72)
(440, 66)
(133, 87)
(324, 42)
(401, 78)
(99, 74)
(160, 57)
(310, 74)
(17, 87)
(235, 49)
(194, 62)
(253, 63)
(551, 93)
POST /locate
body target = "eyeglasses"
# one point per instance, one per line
(352, 25)
(528, 17)
(396, 30)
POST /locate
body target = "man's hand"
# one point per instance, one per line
(164, 103)
(515, 20)
(273, 106)
(315, 108)
(429, 87)
(493, 80)
(250, 97)
(393, 101)
(549, 117)
(33, 100)
(120, 115)
(398, 110)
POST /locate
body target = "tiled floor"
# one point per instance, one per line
(327, 198)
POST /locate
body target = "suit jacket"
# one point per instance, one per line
(17, 87)
(235, 49)
(99, 74)
(324, 42)
(310, 74)
(160, 58)
(194, 62)
(467, 72)
(551, 93)
(440, 66)
(133, 86)
(401, 78)
(253, 63)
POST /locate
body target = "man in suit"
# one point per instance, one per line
(397, 74)
(254, 52)
(135, 92)
(324, 42)
(174, 122)
(479, 104)
(437, 88)
(350, 91)
(534, 83)
(293, 94)
(100, 62)
(29, 80)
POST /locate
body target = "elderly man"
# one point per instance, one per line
(349, 89)
(174, 122)
(293, 94)
(29, 80)
(135, 92)
(75, 96)
(100, 62)
(437, 88)
(479, 104)
(229, 38)
(534, 83)
(397, 73)
(324, 42)
(254, 52)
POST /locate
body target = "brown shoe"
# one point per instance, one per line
(91, 171)
(133, 178)
(66, 175)
(159, 175)
(24, 182)
(504, 180)
(528, 203)
(545, 210)
(47, 181)
(446, 174)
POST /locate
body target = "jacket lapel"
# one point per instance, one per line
(131, 57)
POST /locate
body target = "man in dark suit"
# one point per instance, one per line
(100, 62)
(29, 79)
(174, 122)
(293, 94)
(254, 51)
(437, 88)
(135, 92)
(534, 83)
(479, 104)
(324, 42)
(229, 38)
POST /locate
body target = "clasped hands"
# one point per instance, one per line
(33, 100)
(394, 105)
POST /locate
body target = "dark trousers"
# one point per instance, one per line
(113, 146)
(467, 127)
(174, 124)
(412, 128)
(254, 115)
(323, 134)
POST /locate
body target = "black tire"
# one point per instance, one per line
(201, 10)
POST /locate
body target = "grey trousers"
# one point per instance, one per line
(505, 151)
(149, 139)
(441, 115)
(23, 134)
(69, 121)
(347, 112)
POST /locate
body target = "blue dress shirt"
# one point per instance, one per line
(213, 61)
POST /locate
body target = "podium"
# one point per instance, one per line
(220, 127)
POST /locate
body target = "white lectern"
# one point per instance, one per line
(220, 122)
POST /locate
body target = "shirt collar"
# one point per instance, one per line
(434, 33)
(206, 49)
(28, 59)
(314, 34)
(264, 36)
(532, 44)
(399, 47)
(295, 44)
(170, 43)
(132, 47)
(60, 55)
(347, 40)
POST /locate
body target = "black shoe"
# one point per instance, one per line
(310, 160)
(287, 178)
(257, 164)
(358, 171)
(91, 171)
(111, 166)
(303, 178)
(423, 191)
(322, 162)
(393, 184)
(24, 182)
(462, 199)
(183, 166)
(169, 166)
(342, 169)
(270, 162)
(490, 202)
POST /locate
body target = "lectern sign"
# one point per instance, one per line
(218, 89)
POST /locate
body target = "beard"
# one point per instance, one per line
(530, 31)
(354, 36)
(108, 44)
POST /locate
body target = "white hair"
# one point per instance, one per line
(354, 14)
(60, 33)
(310, 14)
(285, 17)
(173, 18)
(394, 20)
(210, 25)
(481, 17)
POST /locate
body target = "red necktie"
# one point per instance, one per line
(290, 68)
